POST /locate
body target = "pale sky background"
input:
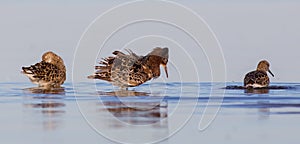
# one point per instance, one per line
(248, 31)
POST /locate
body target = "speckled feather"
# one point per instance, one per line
(259, 77)
(50, 72)
(131, 70)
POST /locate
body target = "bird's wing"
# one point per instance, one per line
(41, 71)
(256, 77)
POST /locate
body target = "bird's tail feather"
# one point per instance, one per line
(101, 75)
(28, 70)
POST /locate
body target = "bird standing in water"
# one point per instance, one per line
(49, 73)
(258, 78)
(130, 70)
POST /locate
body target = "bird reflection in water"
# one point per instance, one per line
(123, 93)
(262, 105)
(49, 103)
(132, 107)
(261, 98)
(41, 90)
(257, 90)
(264, 109)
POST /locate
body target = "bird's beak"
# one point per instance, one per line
(271, 73)
(166, 70)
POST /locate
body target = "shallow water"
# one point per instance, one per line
(153, 112)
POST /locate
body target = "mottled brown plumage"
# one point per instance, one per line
(258, 78)
(129, 70)
(49, 73)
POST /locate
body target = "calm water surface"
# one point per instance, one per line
(155, 112)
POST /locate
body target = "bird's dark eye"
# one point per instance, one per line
(165, 60)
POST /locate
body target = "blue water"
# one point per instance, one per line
(153, 112)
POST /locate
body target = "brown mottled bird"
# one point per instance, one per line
(129, 70)
(49, 73)
(258, 78)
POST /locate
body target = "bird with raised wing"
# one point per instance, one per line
(130, 70)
